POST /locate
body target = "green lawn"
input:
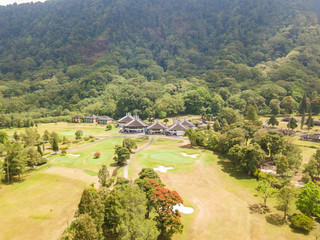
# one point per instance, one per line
(86, 159)
(68, 129)
(39, 207)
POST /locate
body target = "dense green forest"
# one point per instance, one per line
(157, 58)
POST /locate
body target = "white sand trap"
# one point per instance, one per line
(183, 209)
(269, 171)
(192, 156)
(299, 184)
(162, 169)
(73, 155)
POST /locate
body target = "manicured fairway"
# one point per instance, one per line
(39, 207)
(219, 196)
(86, 160)
(69, 129)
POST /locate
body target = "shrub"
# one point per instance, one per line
(302, 222)
(269, 177)
(108, 127)
(63, 152)
(97, 155)
(42, 161)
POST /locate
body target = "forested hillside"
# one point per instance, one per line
(157, 58)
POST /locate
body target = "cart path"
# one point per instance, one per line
(126, 167)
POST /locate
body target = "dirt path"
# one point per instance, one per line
(126, 167)
(72, 173)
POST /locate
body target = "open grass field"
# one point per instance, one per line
(68, 129)
(39, 207)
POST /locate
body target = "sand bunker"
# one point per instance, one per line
(192, 156)
(299, 184)
(162, 169)
(183, 209)
(269, 171)
(73, 155)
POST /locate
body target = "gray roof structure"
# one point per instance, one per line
(104, 118)
(177, 127)
(136, 122)
(316, 123)
(91, 116)
(287, 119)
(314, 137)
(187, 124)
(157, 126)
(126, 119)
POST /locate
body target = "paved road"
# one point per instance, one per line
(126, 167)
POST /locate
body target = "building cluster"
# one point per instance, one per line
(310, 137)
(133, 124)
(287, 119)
(104, 120)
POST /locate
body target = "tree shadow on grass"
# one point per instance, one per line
(188, 146)
(113, 164)
(228, 167)
(300, 231)
(275, 219)
(258, 208)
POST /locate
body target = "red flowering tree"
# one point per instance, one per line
(148, 181)
(97, 155)
(168, 220)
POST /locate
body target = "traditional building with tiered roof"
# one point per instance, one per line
(176, 129)
(125, 120)
(135, 126)
(157, 127)
(188, 124)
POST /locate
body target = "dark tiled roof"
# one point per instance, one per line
(91, 116)
(287, 119)
(313, 137)
(78, 116)
(177, 127)
(316, 123)
(186, 123)
(104, 118)
(157, 125)
(136, 122)
(126, 119)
